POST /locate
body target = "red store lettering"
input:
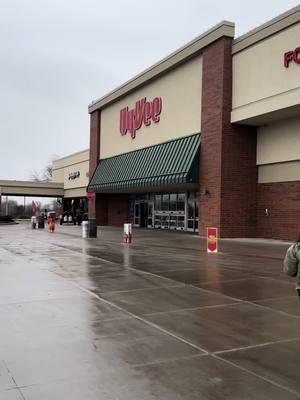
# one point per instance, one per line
(143, 112)
(292, 56)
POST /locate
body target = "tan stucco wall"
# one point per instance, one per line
(71, 159)
(58, 175)
(81, 181)
(180, 90)
(261, 83)
(279, 141)
(70, 164)
(282, 172)
(78, 192)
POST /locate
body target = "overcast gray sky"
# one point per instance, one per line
(57, 56)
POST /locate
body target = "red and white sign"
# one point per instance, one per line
(293, 55)
(145, 112)
(212, 240)
(91, 195)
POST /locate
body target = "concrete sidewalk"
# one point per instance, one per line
(159, 319)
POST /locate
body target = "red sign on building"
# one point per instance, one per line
(145, 112)
(212, 240)
(293, 55)
(90, 195)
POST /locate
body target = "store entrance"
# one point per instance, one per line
(141, 210)
(174, 211)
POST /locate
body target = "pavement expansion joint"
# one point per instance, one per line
(272, 382)
(143, 289)
(241, 301)
(234, 299)
(183, 358)
(255, 346)
(153, 325)
(271, 309)
(191, 309)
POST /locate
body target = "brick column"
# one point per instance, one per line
(94, 154)
(228, 173)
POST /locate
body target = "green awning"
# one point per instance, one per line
(174, 162)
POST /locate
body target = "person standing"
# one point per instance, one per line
(291, 263)
(51, 223)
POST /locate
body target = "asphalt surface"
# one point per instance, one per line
(87, 319)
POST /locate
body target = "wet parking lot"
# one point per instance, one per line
(158, 319)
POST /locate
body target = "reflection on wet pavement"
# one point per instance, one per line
(159, 319)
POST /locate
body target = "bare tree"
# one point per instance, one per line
(35, 176)
(46, 174)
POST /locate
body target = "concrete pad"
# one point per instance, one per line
(95, 319)
(204, 275)
(229, 327)
(251, 289)
(193, 379)
(208, 378)
(289, 305)
(278, 362)
(149, 301)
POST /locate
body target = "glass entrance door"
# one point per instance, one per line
(137, 214)
(192, 212)
(143, 214)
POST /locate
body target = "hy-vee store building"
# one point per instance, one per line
(208, 136)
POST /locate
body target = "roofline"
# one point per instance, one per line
(191, 49)
(270, 28)
(70, 155)
(35, 184)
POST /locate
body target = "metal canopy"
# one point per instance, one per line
(173, 162)
(31, 188)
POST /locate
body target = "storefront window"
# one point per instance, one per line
(165, 222)
(173, 222)
(157, 221)
(173, 201)
(150, 214)
(131, 209)
(180, 222)
(180, 201)
(176, 211)
(165, 202)
(158, 202)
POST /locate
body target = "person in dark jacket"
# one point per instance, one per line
(291, 264)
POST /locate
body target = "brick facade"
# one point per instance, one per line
(283, 203)
(101, 206)
(228, 172)
(117, 211)
(95, 123)
(230, 197)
